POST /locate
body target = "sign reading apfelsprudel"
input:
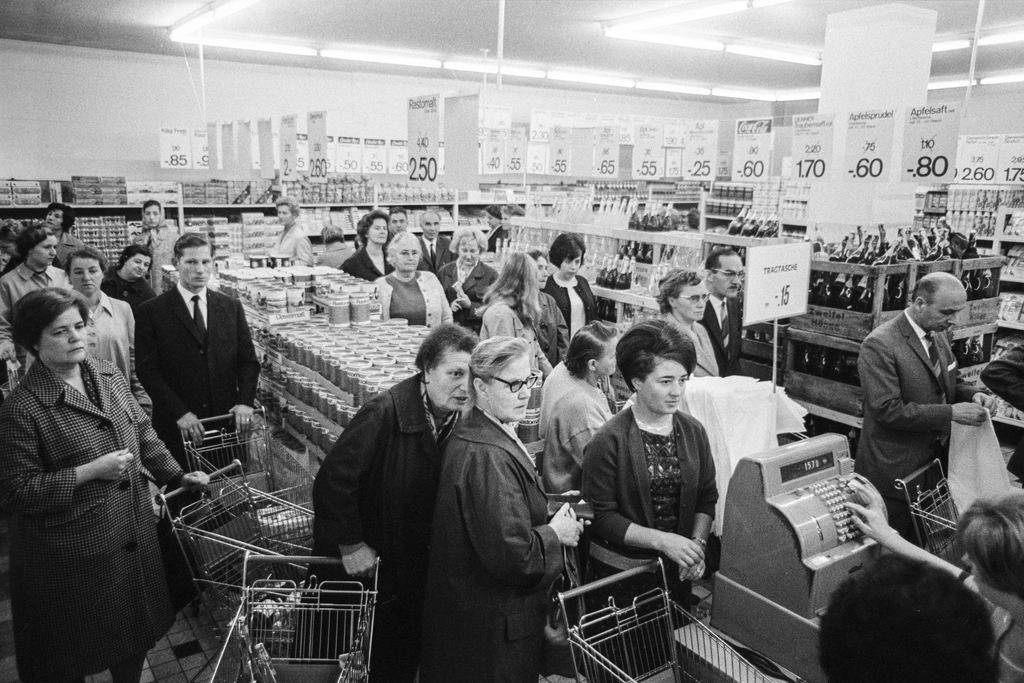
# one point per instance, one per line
(930, 135)
(700, 149)
(778, 281)
(752, 150)
(869, 136)
(424, 122)
(812, 147)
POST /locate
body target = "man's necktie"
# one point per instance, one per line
(933, 355)
(430, 253)
(725, 323)
(197, 317)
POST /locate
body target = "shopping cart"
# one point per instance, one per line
(931, 504)
(653, 639)
(290, 627)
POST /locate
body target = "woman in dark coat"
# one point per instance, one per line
(649, 471)
(467, 279)
(493, 552)
(570, 291)
(88, 590)
(372, 236)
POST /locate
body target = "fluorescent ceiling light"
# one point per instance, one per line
(492, 68)
(707, 11)
(743, 94)
(1002, 38)
(257, 45)
(1005, 78)
(673, 87)
(207, 15)
(796, 95)
(772, 53)
(664, 38)
(948, 45)
(590, 78)
(946, 85)
(382, 58)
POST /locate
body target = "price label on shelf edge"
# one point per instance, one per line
(424, 124)
(929, 144)
(869, 138)
(700, 149)
(812, 146)
(778, 282)
(752, 150)
(976, 159)
(175, 148)
(648, 153)
(375, 156)
(1010, 168)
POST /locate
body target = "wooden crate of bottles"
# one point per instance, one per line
(972, 347)
(756, 351)
(822, 369)
(980, 277)
(850, 299)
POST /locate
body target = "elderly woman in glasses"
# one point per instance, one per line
(682, 297)
(494, 553)
(415, 295)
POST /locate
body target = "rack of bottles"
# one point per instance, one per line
(756, 350)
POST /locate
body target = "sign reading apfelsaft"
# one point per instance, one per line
(929, 144)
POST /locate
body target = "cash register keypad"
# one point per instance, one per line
(834, 493)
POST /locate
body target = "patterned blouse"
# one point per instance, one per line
(666, 477)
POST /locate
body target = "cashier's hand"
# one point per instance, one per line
(986, 401)
(195, 480)
(191, 428)
(243, 417)
(971, 414)
(684, 551)
(360, 562)
(870, 516)
(566, 526)
(7, 351)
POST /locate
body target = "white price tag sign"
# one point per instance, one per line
(700, 149)
(536, 157)
(606, 158)
(212, 146)
(200, 149)
(673, 162)
(976, 159)
(627, 130)
(289, 148)
(515, 157)
(648, 154)
(349, 156)
(375, 156)
(752, 149)
(175, 148)
(243, 155)
(228, 151)
(560, 156)
(301, 152)
(812, 146)
(319, 166)
(929, 144)
(265, 135)
(778, 282)
(424, 150)
(1010, 168)
(494, 151)
(868, 145)
(540, 126)
(398, 157)
(674, 133)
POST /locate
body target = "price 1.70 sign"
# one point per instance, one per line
(868, 144)
(812, 146)
(929, 144)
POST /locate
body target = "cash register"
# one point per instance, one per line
(787, 543)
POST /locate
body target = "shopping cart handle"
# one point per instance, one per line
(653, 565)
(235, 464)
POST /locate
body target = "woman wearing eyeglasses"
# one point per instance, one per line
(415, 295)
(683, 296)
(493, 552)
(649, 471)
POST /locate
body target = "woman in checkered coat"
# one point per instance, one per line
(88, 590)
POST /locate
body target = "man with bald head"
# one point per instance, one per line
(911, 394)
(435, 249)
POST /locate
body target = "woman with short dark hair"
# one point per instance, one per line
(649, 472)
(127, 279)
(88, 589)
(372, 237)
(569, 290)
(61, 219)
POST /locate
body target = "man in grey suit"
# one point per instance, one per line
(911, 394)
(435, 249)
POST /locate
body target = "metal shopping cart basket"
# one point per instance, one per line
(653, 639)
(290, 627)
(931, 504)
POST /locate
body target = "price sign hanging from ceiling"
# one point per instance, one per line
(606, 158)
(375, 156)
(348, 156)
(700, 149)
(494, 151)
(289, 148)
(560, 155)
(175, 149)
(319, 163)
(752, 150)
(1010, 167)
(648, 155)
(929, 144)
(398, 157)
(515, 157)
(424, 122)
(200, 149)
(976, 159)
(813, 146)
(869, 138)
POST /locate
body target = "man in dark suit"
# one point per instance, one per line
(722, 316)
(1005, 377)
(911, 393)
(193, 351)
(435, 249)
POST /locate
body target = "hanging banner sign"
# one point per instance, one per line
(424, 123)
(606, 158)
(648, 156)
(515, 155)
(243, 153)
(200, 149)
(673, 162)
(673, 133)
(869, 139)
(375, 156)
(627, 130)
(582, 154)
(752, 149)
(496, 118)
(494, 151)
(976, 159)
(440, 157)
(700, 149)
(398, 157)
(349, 157)
(540, 126)
(302, 153)
(316, 127)
(175, 148)
(930, 136)
(536, 157)
(1010, 168)
(332, 153)
(560, 155)
(265, 133)
(213, 145)
(289, 148)
(813, 136)
(254, 146)
(228, 150)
